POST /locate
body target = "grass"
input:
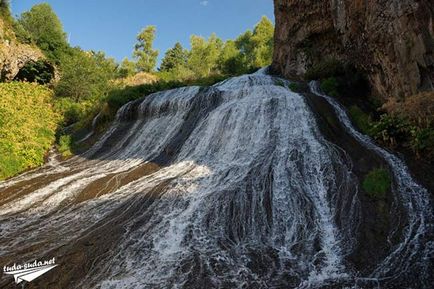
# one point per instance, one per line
(65, 146)
(27, 126)
(377, 183)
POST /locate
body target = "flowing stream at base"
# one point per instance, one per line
(231, 186)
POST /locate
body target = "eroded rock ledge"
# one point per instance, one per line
(392, 41)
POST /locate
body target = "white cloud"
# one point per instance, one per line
(204, 3)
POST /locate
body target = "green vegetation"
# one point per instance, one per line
(65, 145)
(86, 76)
(145, 55)
(90, 83)
(377, 183)
(4, 9)
(361, 119)
(40, 71)
(45, 30)
(122, 95)
(330, 86)
(401, 129)
(204, 54)
(27, 126)
(295, 87)
(174, 59)
(339, 79)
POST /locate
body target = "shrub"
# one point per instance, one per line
(27, 126)
(85, 75)
(295, 87)
(391, 130)
(423, 141)
(377, 183)
(361, 119)
(70, 110)
(65, 145)
(330, 86)
(122, 95)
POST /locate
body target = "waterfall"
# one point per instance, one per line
(230, 186)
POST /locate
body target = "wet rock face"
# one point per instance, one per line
(391, 40)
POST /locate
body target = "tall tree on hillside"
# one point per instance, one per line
(262, 40)
(46, 30)
(246, 47)
(256, 48)
(230, 59)
(204, 54)
(144, 53)
(175, 58)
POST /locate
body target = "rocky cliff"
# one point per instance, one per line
(13, 54)
(392, 41)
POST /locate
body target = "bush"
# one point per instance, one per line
(65, 145)
(330, 86)
(122, 95)
(70, 110)
(377, 183)
(85, 76)
(27, 126)
(391, 130)
(361, 119)
(423, 141)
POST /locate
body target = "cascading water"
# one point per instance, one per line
(232, 186)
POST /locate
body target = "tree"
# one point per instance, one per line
(230, 59)
(46, 30)
(262, 40)
(86, 75)
(246, 47)
(204, 54)
(175, 58)
(126, 68)
(144, 53)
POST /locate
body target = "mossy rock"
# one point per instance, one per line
(377, 183)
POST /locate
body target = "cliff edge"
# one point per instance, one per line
(391, 41)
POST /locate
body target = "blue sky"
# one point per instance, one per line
(111, 25)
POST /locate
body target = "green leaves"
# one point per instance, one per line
(85, 75)
(143, 51)
(46, 30)
(27, 126)
(175, 58)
